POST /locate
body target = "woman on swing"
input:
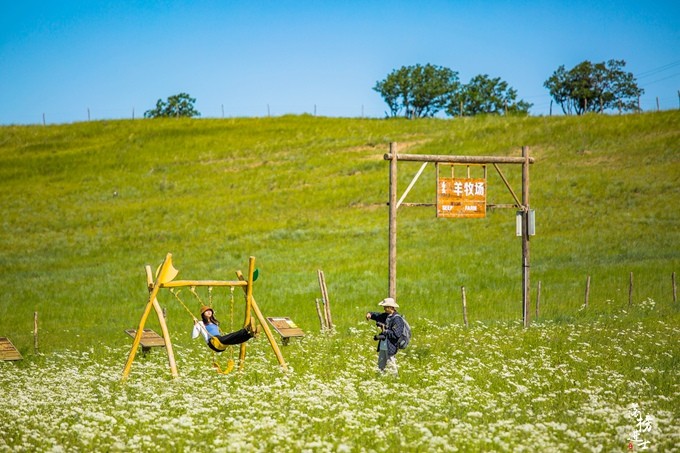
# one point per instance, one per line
(209, 328)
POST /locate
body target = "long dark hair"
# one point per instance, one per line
(211, 319)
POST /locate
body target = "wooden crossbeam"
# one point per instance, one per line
(8, 351)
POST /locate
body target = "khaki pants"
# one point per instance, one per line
(386, 363)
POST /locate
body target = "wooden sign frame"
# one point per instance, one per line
(393, 157)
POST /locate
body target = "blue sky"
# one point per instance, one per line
(114, 59)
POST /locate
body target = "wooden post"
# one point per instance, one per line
(525, 236)
(265, 327)
(465, 318)
(326, 301)
(538, 298)
(164, 327)
(630, 290)
(268, 333)
(35, 332)
(675, 289)
(587, 292)
(166, 270)
(322, 322)
(166, 337)
(392, 285)
(249, 305)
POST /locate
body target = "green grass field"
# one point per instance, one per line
(86, 206)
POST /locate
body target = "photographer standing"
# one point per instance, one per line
(392, 327)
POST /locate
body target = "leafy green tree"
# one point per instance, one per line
(589, 87)
(484, 95)
(178, 105)
(417, 91)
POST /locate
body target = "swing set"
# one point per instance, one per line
(165, 279)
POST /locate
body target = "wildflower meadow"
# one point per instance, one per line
(602, 384)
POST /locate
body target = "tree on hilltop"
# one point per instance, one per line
(485, 95)
(178, 105)
(589, 87)
(417, 91)
(422, 91)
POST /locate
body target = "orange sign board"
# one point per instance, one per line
(461, 197)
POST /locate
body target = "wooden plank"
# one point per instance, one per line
(8, 351)
(149, 339)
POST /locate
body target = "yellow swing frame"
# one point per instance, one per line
(165, 279)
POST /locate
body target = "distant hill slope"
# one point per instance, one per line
(87, 205)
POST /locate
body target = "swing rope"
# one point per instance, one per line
(193, 291)
(176, 294)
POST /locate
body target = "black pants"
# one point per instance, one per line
(219, 344)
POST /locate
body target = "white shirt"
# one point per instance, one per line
(199, 328)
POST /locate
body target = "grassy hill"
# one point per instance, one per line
(86, 206)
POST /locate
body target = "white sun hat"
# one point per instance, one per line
(388, 302)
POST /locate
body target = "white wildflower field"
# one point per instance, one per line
(599, 384)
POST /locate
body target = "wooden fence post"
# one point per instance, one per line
(465, 318)
(538, 298)
(630, 290)
(587, 291)
(675, 289)
(35, 331)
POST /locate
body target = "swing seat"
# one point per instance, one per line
(8, 351)
(150, 339)
(227, 370)
(216, 345)
(286, 328)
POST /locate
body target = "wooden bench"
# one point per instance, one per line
(150, 339)
(8, 351)
(286, 328)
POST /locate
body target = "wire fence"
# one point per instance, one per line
(542, 105)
